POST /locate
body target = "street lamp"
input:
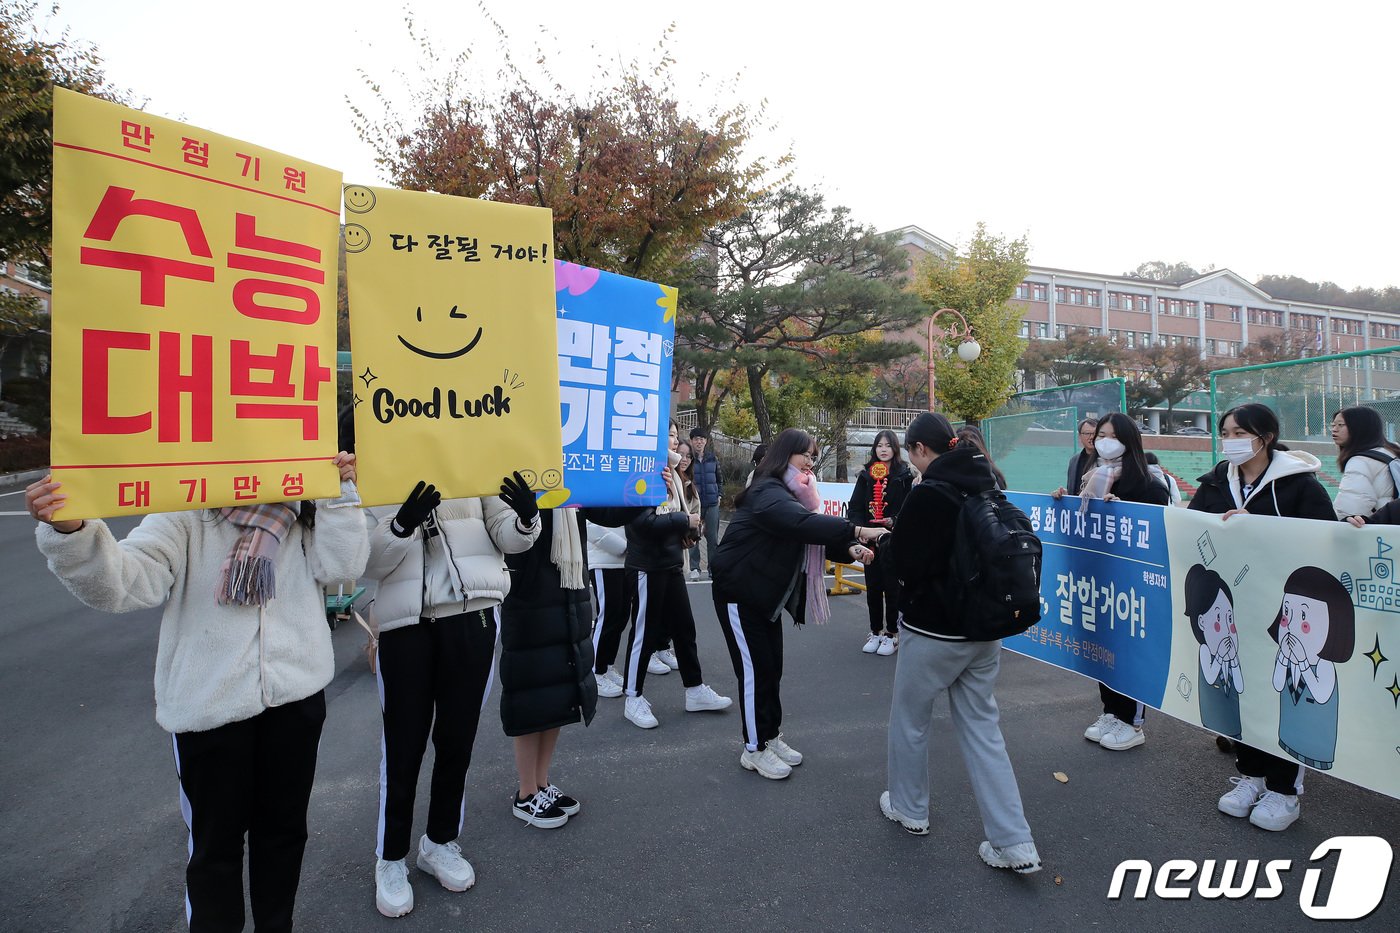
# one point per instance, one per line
(968, 350)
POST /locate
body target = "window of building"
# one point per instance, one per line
(1023, 290)
(1061, 331)
(1025, 328)
(1234, 348)
(1091, 298)
(1042, 329)
(1060, 293)
(1210, 347)
(1037, 291)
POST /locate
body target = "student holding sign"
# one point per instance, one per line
(442, 574)
(242, 663)
(1260, 476)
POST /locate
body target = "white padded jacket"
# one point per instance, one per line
(1366, 486)
(217, 664)
(459, 569)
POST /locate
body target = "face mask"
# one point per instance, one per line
(1110, 448)
(1238, 450)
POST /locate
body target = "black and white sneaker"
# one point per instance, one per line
(540, 811)
(562, 800)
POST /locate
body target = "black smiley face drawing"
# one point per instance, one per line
(550, 478)
(529, 477)
(359, 199)
(356, 238)
(445, 354)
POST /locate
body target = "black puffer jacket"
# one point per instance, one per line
(922, 542)
(1288, 487)
(897, 487)
(654, 541)
(759, 562)
(546, 633)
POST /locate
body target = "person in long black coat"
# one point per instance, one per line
(547, 682)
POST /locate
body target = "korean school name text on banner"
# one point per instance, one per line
(1105, 596)
(452, 337)
(616, 342)
(193, 317)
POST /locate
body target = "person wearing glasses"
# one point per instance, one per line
(1084, 458)
(770, 559)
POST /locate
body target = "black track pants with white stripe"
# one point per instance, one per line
(660, 610)
(434, 677)
(253, 777)
(756, 649)
(614, 610)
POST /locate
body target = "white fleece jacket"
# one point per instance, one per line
(1366, 486)
(217, 664)
(458, 570)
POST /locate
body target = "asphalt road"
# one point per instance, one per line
(673, 835)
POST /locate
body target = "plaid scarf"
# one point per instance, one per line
(248, 577)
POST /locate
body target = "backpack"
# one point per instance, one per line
(1386, 458)
(994, 573)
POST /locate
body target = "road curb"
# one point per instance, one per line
(10, 481)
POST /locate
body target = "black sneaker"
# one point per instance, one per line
(562, 800)
(540, 811)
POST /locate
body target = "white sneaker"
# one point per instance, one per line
(1240, 799)
(872, 642)
(888, 646)
(668, 658)
(606, 687)
(766, 763)
(915, 827)
(695, 576)
(393, 895)
(1119, 736)
(638, 712)
(701, 698)
(613, 675)
(785, 752)
(445, 863)
(1021, 858)
(657, 666)
(1275, 812)
(1097, 727)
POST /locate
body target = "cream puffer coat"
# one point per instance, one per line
(217, 664)
(459, 569)
(1366, 486)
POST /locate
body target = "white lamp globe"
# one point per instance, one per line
(969, 350)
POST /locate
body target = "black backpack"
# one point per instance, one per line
(994, 573)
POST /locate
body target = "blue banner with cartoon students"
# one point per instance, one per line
(1282, 633)
(616, 341)
(1105, 592)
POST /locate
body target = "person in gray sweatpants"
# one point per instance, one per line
(936, 656)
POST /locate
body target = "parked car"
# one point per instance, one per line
(1193, 431)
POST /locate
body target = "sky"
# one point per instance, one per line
(1252, 136)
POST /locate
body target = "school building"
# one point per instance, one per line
(1218, 313)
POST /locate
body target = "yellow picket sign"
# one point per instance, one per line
(193, 316)
(452, 336)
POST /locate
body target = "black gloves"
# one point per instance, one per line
(415, 509)
(517, 494)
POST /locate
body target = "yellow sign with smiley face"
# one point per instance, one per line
(452, 332)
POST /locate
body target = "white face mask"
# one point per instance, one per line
(1238, 450)
(1110, 448)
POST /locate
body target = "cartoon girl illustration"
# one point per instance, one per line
(1211, 611)
(1315, 630)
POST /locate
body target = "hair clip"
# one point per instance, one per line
(952, 442)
